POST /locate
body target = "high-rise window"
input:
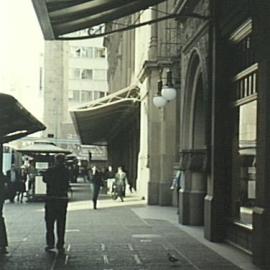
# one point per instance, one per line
(86, 74)
(76, 96)
(75, 73)
(87, 52)
(100, 52)
(86, 96)
(82, 96)
(81, 74)
(100, 74)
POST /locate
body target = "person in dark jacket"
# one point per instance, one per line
(96, 179)
(3, 232)
(13, 177)
(57, 180)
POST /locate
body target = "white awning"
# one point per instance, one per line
(104, 118)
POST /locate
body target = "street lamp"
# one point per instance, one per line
(165, 92)
(159, 101)
(168, 91)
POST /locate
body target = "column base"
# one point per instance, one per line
(214, 225)
(165, 194)
(191, 208)
(261, 234)
(153, 193)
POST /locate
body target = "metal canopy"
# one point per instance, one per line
(104, 118)
(15, 120)
(58, 18)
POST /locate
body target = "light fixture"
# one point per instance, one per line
(165, 92)
(168, 91)
(159, 101)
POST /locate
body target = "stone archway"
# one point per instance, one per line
(193, 147)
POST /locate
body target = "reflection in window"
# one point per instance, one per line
(84, 74)
(100, 53)
(81, 52)
(247, 161)
(87, 52)
(87, 74)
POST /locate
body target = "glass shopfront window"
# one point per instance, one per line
(245, 163)
(244, 100)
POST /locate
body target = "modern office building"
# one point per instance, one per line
(74, 74)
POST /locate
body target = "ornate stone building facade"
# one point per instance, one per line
(211, 133)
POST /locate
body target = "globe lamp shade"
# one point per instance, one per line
(159, 101)
(169, 93)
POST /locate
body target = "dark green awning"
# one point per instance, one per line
(58, 18)
(15, 120)
(104, 118)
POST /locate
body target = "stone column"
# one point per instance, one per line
(154, 119)
(261, 214)
(193, 187)
(154, 139)
(219, 139)
(167, 144)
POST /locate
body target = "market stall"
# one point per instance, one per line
(41, 157)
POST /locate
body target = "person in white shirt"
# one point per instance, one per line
(120, 183)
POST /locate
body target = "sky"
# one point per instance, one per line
(21, 47)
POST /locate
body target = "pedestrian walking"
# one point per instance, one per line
(129, 182)
(109, 175)
(21, 186)
(3, 232)
(31, 175)
(76, 172)
(120, 183)
(96, 179)
(57, 182)
(13, 176)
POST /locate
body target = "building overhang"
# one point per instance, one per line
(58, 18)
(15, 120)
(102, 119)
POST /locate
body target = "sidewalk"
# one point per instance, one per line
(234, 255)
(117, 236)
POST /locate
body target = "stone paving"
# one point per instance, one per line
(110, 238)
